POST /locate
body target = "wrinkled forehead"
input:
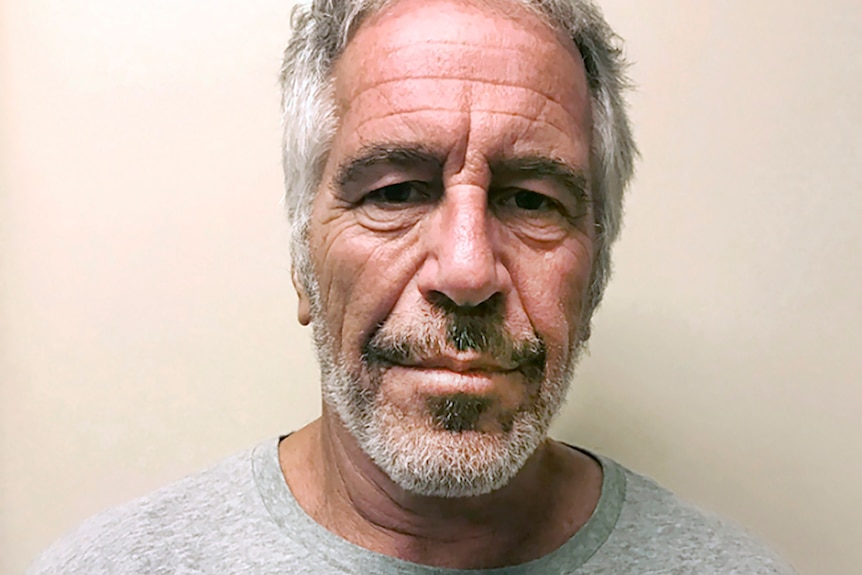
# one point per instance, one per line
(439, 37)
(462, 21)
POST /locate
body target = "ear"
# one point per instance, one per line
(303, 312)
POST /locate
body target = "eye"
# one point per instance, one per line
(531, 201)
(396, 206)
(398, 194)
(521, 200)
(537, 215)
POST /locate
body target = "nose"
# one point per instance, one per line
(462, 260)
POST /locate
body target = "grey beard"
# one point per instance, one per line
(442, 454)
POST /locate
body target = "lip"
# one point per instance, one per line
(463, 365)
(441, 381)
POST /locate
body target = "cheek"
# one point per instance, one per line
(553, 287)
(361, 277)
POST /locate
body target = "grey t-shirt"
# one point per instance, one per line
(240, 517)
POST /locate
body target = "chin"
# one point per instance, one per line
(424, 459)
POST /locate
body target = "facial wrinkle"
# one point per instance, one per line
(423, 110)
(460, 78)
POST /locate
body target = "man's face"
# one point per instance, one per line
(452, 240)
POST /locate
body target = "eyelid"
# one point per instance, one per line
(553, 209)
(415, 187)
(361, 177)
(509, 192)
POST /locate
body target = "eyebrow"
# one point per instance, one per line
(521, 167)
(384, 154)
(541, 167)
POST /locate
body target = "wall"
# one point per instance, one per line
(148, 322)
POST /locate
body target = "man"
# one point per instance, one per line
(454, 174)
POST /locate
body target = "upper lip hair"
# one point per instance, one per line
(464, 364)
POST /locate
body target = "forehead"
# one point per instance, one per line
(444, 60)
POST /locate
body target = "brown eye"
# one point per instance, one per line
(396, 206)
(528, 203)
(400, 193)
(530, 200)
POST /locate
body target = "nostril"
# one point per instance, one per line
(490, 307)
(459, 288)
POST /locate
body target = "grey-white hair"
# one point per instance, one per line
(321, 31)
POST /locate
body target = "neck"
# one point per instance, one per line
(343, 490)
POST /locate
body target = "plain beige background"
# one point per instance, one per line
(148, 321)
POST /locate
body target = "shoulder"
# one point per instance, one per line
(668, 535)
(157, 533)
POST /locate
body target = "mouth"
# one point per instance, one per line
(463, 364)
(447, 376)
(494, 354)
(468, 368)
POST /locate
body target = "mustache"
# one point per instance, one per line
(440, 332)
